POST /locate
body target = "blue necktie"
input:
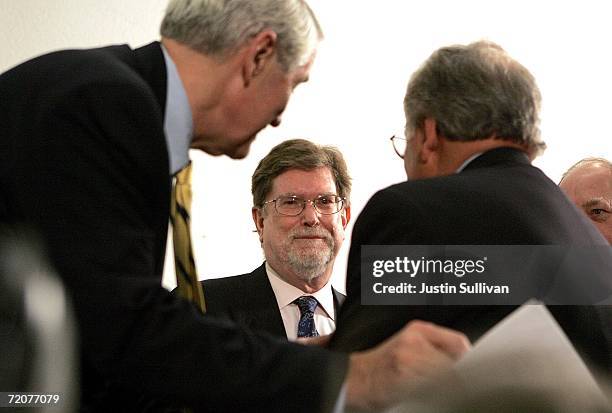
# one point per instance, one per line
(306, 326)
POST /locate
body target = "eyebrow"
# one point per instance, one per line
(301, 196)
(596, 202)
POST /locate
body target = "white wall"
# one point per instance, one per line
(354, 98)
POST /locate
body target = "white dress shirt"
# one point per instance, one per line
(286, 294)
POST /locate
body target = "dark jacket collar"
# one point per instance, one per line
(151, 64)
(148, 61)
(499, 156)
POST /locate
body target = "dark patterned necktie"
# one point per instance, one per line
(187, 282)
(306, 326)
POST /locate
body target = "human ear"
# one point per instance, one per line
(260, 52)
(430, 141)
(346, 216)
(257, 215)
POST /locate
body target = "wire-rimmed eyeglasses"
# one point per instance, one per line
(294, 205)
(399, 145)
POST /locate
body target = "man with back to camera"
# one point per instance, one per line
(588, 184)
(472, 115)
(90, 141)
(301, 207)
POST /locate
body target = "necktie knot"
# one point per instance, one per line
(306, 304)
(183, 177)
(306, 325)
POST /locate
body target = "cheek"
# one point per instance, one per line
(605, 227)
(277, 232)
(337, 232)
(280, 98)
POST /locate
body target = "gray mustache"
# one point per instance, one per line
(311, 233)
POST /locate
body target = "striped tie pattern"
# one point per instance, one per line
(187, 282)
(306, 325)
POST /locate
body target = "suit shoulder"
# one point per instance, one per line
(223, 294)
(83, 62)
(392, 200)
(393, 215)
(237, 284)
(105, 71)
(226, 282)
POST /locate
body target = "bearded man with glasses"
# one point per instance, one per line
(301, 209)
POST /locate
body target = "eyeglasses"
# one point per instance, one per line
(399, 144)
(293, 206)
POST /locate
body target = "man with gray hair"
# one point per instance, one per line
(301, 194)
(588, 184)
(89, 142)
(472, 115)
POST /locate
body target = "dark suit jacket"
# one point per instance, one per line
(83, 161)
(498, 199)
(249, 300)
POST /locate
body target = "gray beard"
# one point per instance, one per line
(312, 265)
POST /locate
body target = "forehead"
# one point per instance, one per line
(304, 183)
(589, 182)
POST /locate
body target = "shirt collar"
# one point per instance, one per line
(286, 293)
(178, 123)
(467, 161)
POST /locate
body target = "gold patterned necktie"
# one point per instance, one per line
(187, 282)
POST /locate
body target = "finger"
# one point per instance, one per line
(321, 341)
(452, 342)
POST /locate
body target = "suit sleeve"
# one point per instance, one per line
(93, 178)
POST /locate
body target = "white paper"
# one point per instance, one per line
(528, 348)
(525, 363)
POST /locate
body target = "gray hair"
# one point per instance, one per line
(219, 27)
(474, 92)
(299, 154)
(585, 162)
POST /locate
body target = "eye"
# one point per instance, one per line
(599, 214)
(289, 201)
(324, 200)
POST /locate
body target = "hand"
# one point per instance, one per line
(378, 377)
(321, 341)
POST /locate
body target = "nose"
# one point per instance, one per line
(276, 121)
(310, 216)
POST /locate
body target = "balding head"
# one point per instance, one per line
(588, 184)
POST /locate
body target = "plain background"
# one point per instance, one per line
(354, 97)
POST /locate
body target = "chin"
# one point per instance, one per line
(240, 153)
(233, 153)
(209, 150)
(213, 153)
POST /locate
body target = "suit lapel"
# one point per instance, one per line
(263, 313)
(149, 63)
(338, 300)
